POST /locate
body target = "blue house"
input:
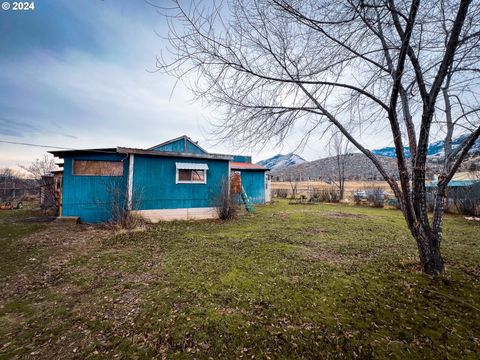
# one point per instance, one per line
(177, 179)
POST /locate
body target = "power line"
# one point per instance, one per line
(55, 147)
(36, 145)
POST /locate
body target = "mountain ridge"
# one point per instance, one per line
(279, 161)
(435, 149)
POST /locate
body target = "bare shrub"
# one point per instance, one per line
(466, 202)
(359, 196)
(376, 197)
(225, 203)
(294, 186)
(117, 203)
(280, 193)
(330, 195)
(468, 206)
(372, 196)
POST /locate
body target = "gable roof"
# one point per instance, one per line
(186, 142)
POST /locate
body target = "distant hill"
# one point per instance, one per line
(279, 161)
(435, 149)
(358, 167)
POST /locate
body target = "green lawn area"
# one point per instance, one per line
(292, 281)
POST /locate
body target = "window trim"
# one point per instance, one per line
(204, 181)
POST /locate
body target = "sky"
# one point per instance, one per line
(78, 74)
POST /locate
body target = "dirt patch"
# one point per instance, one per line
(472, 271)
(100, 299)
(337, 257)
(336, 215)
(312, 231)
(37, 219)
(61, 244)
(283, 215)
(77, 236)
(324, 255)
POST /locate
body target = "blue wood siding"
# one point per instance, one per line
(193, 148)
(179, 146)
(253, 183)
(154, 183)
(91, 197)
(242, 158)
(154, 186)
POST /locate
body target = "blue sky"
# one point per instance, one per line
(74, 74)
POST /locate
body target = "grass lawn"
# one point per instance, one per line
(292, 281)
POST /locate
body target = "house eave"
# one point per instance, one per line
(123, 150)
(249, 168)
(62, 153)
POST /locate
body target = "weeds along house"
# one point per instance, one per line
(174, 180)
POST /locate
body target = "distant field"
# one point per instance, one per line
(292, 281)
(350, 186)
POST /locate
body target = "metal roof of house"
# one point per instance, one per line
(456, 183)
(152, 152)
(62, 153)
(246, 166)
(123, 150)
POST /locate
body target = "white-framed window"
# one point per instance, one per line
(191, 173)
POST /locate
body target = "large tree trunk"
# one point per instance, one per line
(428, 237)
(429, 250)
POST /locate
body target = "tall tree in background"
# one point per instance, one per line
(268, 65)
(339, 148)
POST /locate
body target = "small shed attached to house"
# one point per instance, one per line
(460, 195)
(176, 179)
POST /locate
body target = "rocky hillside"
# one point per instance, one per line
(357, 167)
(280, 162)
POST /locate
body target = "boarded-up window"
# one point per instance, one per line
(97, 168)
(189, 175)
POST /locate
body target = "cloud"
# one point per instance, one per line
(93, 98)
(16, 128)
(74, 74)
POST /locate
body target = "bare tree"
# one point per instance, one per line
(41, 171)
(270, 65)
(293, 181)
(340, 148)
